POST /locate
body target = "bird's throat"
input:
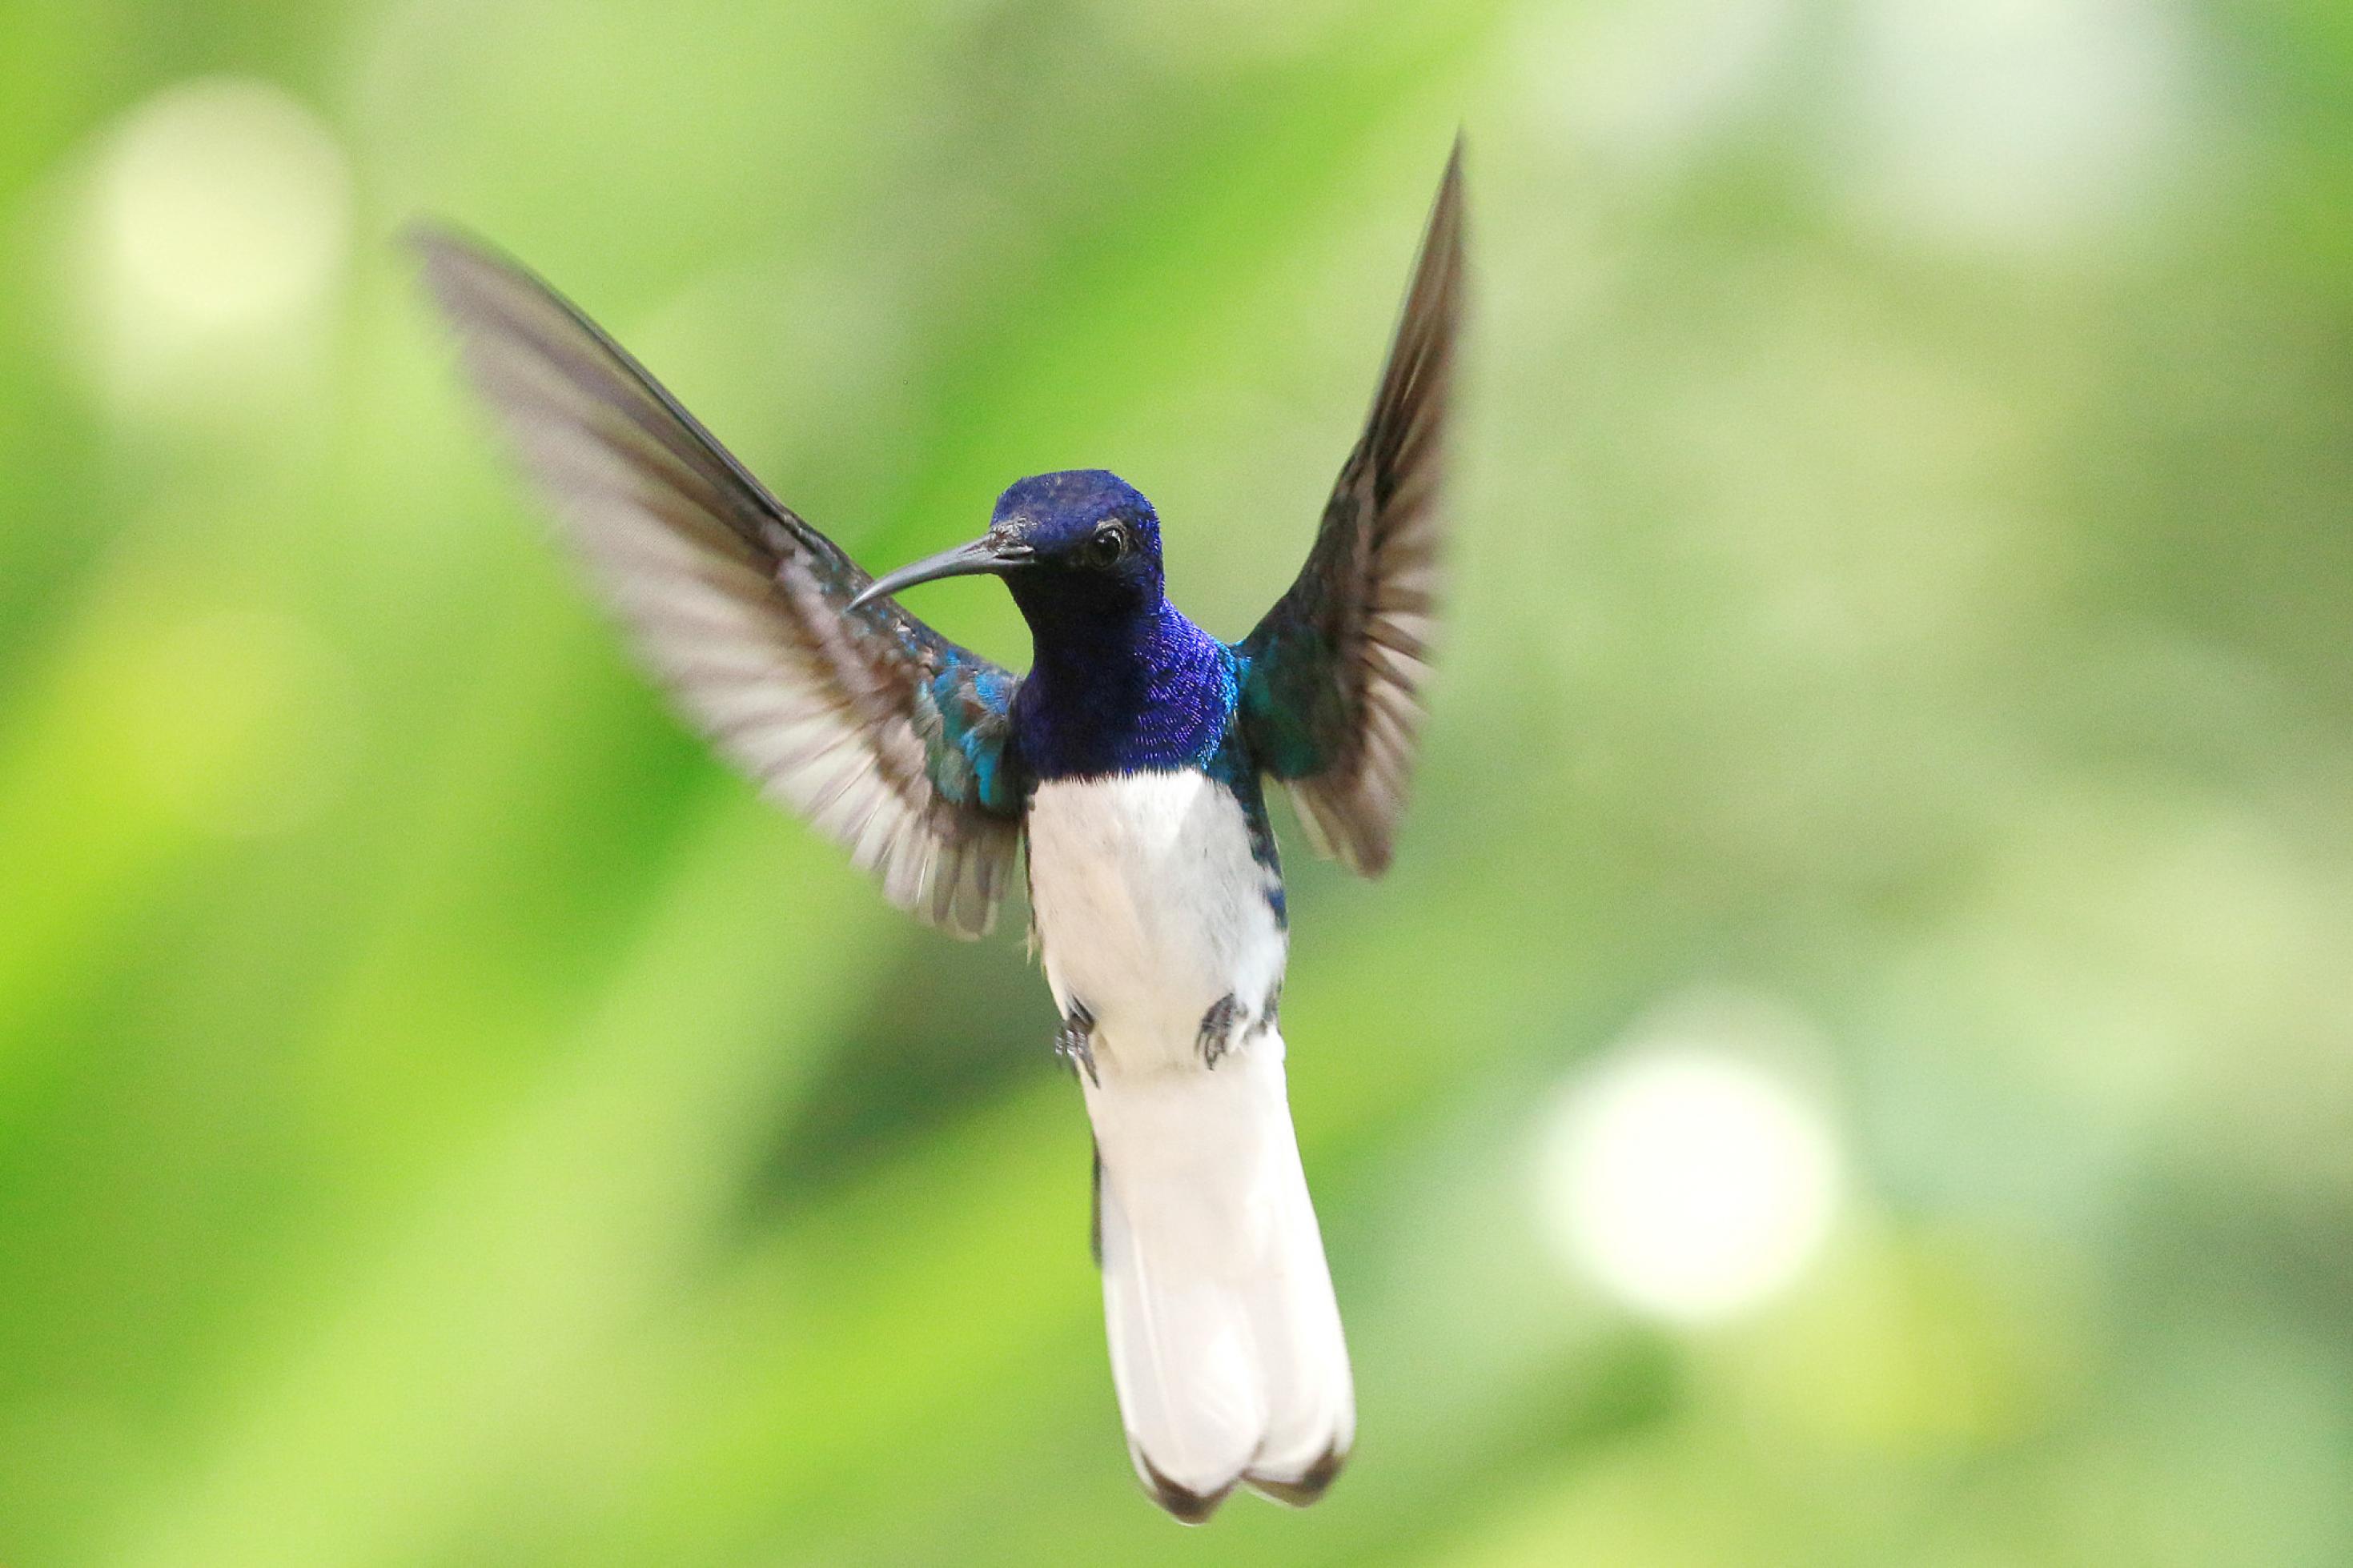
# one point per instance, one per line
(1122, 693)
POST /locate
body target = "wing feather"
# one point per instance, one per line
(884, 734)
(1333, 675)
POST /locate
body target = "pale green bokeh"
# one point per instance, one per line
(1902, 589)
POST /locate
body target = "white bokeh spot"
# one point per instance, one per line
(2015, 123)
(217, 223)
(1687, 1176)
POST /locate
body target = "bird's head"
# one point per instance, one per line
(1082, 543)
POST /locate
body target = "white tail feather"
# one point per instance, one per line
(1226, 1346)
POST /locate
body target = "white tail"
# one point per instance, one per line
(1225, 1339)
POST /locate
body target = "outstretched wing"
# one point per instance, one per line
(1332, 676)
(882, 733)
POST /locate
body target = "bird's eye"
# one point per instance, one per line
(1109, 544)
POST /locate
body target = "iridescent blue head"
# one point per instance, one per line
(1076, 548)
(1093, 543)
(1120, 682)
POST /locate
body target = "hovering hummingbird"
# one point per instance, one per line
(1129, 761)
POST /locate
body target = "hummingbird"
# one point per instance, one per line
(1127, 770)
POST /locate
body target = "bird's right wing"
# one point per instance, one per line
(1330, 699)
(882, 733)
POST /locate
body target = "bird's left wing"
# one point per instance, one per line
(1332, 675)
(882, 733)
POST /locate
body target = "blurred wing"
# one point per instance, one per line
(1331, 687)
(883, 734)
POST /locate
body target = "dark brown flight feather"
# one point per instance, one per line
(1331, 693)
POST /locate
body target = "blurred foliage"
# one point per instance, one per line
(1904, 575)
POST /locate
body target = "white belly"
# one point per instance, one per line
(1149, 908)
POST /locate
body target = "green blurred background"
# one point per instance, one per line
(1853, 1064)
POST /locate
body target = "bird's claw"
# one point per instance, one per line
(1074, 1042)
(1219, 1025)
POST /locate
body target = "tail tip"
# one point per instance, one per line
(1309, 1485)
(1183, 1503)
(1187, 1506)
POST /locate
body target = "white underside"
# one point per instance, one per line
(1149, 908)
(1225, 1339)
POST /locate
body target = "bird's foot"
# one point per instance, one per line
(1219, 1027)
(1074, 1042)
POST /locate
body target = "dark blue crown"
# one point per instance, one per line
(1057, 511)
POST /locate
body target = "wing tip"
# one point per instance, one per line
(445, 252)
(1446, 211)
(426, 236)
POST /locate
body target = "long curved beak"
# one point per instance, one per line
(990, 553)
